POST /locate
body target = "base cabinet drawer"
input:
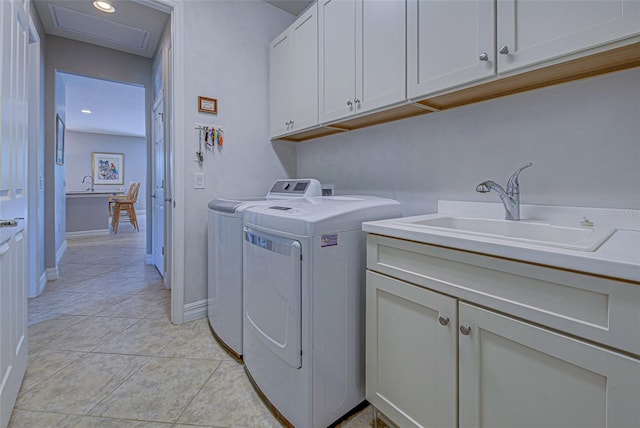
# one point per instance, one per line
(433, 360)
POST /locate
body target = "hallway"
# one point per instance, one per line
(102, 351)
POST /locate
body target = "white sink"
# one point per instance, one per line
(574, 238)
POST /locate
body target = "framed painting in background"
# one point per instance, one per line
(108, 168)
(59, 140)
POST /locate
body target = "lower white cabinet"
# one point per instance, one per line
(433, 360)
(411, 347)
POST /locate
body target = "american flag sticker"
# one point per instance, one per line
(329, 240)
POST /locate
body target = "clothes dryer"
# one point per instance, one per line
(304, 288)
(225, 257)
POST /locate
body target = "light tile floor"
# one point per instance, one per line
(103, 353)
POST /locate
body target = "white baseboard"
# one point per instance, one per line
(52, 273)
(87, 233)
(42, 284)
(60, 252)
(195, 311)
(148, 259)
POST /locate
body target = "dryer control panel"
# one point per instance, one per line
(303, 187)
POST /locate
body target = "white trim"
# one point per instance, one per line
(148, 259)
(175, 156)
(177, 218)
(52, 273)
(60, 252)
(195, 311)
(42, 284)
(87, 233)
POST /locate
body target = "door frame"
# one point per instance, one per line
(174, 157)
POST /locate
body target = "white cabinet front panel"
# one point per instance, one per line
(445, 41)
(337, 50)
(280, 75)
(411, 364)
(538, 30)
(516, 374)
(380, 70)
(304, 96)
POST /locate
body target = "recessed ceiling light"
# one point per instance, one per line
(103, 6)
(85, 111)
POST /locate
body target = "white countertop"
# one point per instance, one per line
(617, 257)
(84, 193)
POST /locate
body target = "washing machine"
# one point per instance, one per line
(304, 292)
(225, 257)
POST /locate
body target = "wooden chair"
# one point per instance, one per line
(113, 198)
(126, 204)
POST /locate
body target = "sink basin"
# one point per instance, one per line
(573, 238)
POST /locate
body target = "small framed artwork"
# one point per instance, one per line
(208, 105)
(59, 140)
(108, 168)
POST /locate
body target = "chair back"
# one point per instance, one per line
(135, 187)
(132, 187)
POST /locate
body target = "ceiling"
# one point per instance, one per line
(134, 28)
(116, 108)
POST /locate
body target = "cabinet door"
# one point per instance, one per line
(380, 54)
(445, 43)
(535, 30)
(516, 374)
(411, 366)
(280, 75)
(304, 48)
(337, 50)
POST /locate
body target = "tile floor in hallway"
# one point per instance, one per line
(103, 353)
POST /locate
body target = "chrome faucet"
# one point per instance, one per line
(90, 178)
(510, 198)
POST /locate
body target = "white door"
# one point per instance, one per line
(531, 31)
(14, 24)
(158, 184)
(272, 282)
(449, 43)
(337, 58)
(380, 54)
(411, 342)
(517, 374)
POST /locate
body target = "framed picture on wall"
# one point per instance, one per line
(108, 168)
(59, 140)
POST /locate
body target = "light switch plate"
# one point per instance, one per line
(198, 180)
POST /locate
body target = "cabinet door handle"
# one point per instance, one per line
(484, 56)
(357, 101)
(465, 329)
(349, 103)
(443, 320)
(504, 50)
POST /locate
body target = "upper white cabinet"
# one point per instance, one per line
(361, 56)
(294, 76)
(448, 43)
(453, 43)
(532, 31)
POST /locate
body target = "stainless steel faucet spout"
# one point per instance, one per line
(510, 198)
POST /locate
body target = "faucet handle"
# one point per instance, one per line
(513, 186)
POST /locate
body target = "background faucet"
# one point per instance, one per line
(91, 181)
(510, 198)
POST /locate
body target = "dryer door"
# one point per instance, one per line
(272, 273)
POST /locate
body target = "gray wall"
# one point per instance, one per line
(74, 57)
(582, 137)
(80, 146)
(226, 52)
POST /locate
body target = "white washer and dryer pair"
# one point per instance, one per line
(225, 257)
(304, 292)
